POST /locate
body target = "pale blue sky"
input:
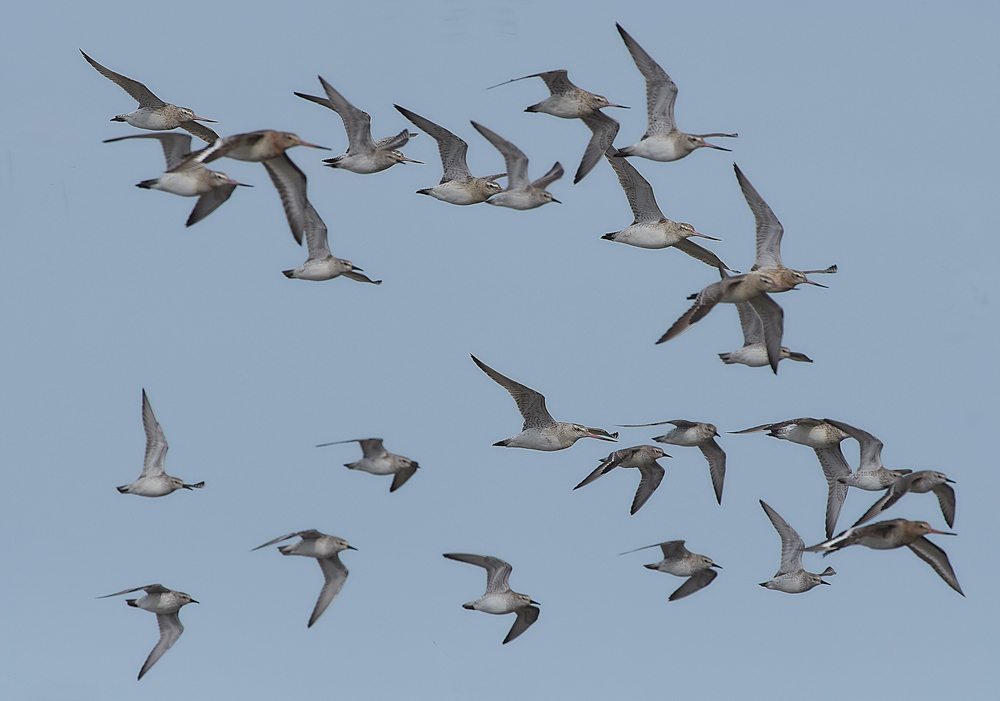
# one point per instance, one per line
(868, 128)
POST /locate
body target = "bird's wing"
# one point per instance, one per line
(753, 332)
(716, 465)
(290, 182)
(607, 465)
(451, 148)
(661, 91)
(834, 467)
(301, 534)
(209, 202)
(371, 447)
(637, 189)
(699, 580)
(791, 544)
(316, 237)
(871, 447)
(139, 92)
(769, 229)
(156, 442)
(200, 130)
(605, 130)
(651, 476)
(149, 589)
(700, 253)
(497, 571)
(176, 146)
(938, 559)
(526, 615)
(335, 574)
(704, 302)
(946, 498)
(673, 549)
(530, 403)
(399, 479)
(555, 172)
(357, 123)
(170, 630)
(517, 162)
(772, 317)
(390, 143)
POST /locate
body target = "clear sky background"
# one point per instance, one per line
(868, 127)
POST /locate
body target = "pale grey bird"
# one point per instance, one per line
(918, 483)
(187, 175)
(887, 535)
(458, 185)
(693, 434)
(649, 228)
(754, 352)
(165, 603)
(153, 113)
(791, 578)
(681, 562)
(377, 460)
(154, 481)
(325, 549)
(642, 457)
(663, 141)
(540, 430)
(364, 154)
(499, 599)
(520, 192)
(320, 264)
(268, 148)
(825, 439)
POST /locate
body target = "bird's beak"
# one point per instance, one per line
(354, 267)
(622, 106)
(948, 480)
(823, 581)
(810, 282)
(532, 601)
(717, 147)
(410, 160)
(195, 602)
(716, 565)
(556, 201)
(306, 143)
(351, 547)
(202, 119)
(710, 238)
(941, 532)
(601, 434)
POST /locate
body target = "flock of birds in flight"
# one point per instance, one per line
(760, 316)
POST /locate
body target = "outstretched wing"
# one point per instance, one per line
(530, 403)
(170, 630)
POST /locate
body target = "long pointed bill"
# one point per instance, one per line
(601, 434)
(941, 532)
(202, 119)
(360, 270)
(717, 147)
(306, 143)
(409, 160)
(233, 182)
(705, 236)
(810, 282)
(624, 107)
(556, 201)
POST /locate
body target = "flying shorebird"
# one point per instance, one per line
(165, 603)
(325, 549)
(321, 264)
(650, 229)
(187, 175)
(644, 458)
(364, 154)
(887, 535)
(696, 435)
(754, 352)
(540, 431)
(153, 113)
(520, 193)
(458, 185)
(791, 578)
(662, 140)
(768, 274)
(268, 148)
(377, 460)
(918, 483)
(570, 102)
(824, 439)
(499, 599)
(681, 562)
(154, 481)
